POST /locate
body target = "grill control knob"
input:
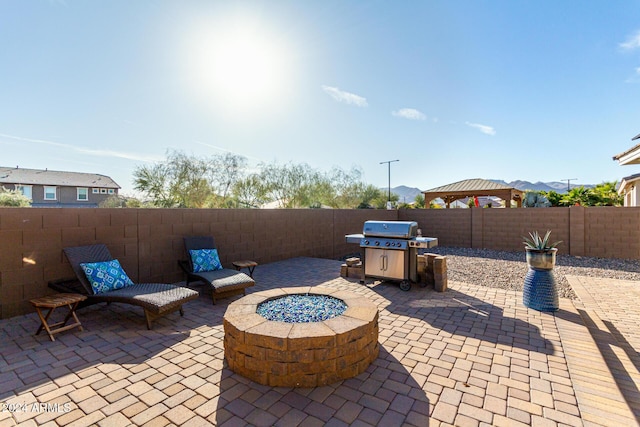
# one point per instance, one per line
(377, 243)
(366, 242)
(387, 244)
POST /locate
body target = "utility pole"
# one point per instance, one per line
(388, 162)
(568, 181)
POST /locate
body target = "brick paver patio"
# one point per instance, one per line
(472, 356)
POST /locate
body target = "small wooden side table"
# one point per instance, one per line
(52, 302)
(251, 265)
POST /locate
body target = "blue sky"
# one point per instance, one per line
(532, 90)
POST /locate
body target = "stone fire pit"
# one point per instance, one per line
(312, 354)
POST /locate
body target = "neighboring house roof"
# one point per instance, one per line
(628, 181)
(276, 204)
(485, 200)
(633, 177)
(57, 178)
(631, 156)
(457, 204)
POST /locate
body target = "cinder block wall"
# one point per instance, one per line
(452, 227)
(608, 232)
(504, 229)
(612, 232)
(148, 242)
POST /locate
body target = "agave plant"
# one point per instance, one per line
(539, 243)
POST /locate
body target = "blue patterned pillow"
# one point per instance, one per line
(205, 260)
(106, 276)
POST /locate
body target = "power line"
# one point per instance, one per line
(568, 181)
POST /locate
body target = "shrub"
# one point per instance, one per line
(13, 198)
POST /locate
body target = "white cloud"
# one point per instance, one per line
(409, 113)
(489, 130)
(346, 97)
(635, 78)
(632, 42)
(85, 150)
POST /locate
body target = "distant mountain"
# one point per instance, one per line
(538, 186)
(405, 194)
(558, 187)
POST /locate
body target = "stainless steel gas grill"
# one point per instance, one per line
(391, 249)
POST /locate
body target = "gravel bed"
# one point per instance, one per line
(506, 270)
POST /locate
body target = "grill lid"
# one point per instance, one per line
(391, 229)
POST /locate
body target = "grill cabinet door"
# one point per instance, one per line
(384, 263)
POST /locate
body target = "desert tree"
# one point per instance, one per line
(189, 181)
(250, 192)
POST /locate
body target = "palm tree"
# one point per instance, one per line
(607, 195)
(604, 194)
(577, 196)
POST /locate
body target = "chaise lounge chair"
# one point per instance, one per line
(222, 281)
(157, 299)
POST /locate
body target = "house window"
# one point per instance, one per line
(103, 191)
(95, 190)
(49, 193)
(26, 190)
(111, 191)
(83, 194)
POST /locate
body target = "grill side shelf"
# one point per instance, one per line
(354, 238)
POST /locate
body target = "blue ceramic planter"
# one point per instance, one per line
(540, 290)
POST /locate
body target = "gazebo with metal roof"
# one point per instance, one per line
(471, 188)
